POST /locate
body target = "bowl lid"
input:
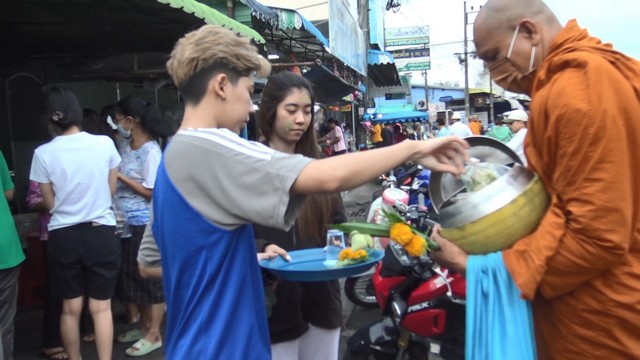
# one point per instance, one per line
(443, 186)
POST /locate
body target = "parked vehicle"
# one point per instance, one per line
(359, 289)
(421, 301)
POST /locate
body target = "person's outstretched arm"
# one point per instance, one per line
(347, 172)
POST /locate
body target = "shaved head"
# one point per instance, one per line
(527, 27)
(504, 15)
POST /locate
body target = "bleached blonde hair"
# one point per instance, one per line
(216, 49)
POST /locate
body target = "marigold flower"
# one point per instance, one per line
(417, 246)
(359, 254)
(345, 254)
(401, 233)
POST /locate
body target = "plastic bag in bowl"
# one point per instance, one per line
(478, 174)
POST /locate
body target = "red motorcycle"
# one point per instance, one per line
(422, 303)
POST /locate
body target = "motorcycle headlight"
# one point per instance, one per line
(398, 308)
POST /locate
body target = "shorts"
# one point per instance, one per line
(84, 260)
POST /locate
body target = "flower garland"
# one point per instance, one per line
(403, 234)
(413, 241)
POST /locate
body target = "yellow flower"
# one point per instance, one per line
(401, 233)
(417, 246)
(359, 254)
(345, 254)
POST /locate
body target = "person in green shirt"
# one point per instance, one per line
(11, 256)
(500, 131)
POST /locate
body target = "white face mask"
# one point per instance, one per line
(124, 132)
(505, 74)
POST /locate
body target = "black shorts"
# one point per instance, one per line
(83, 259)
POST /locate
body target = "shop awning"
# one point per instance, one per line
(292, 20)
(261, 12)
(40, 31)
(329, 88)
(397, 117)
(212, 16)
(382, 69)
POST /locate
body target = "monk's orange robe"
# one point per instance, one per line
(581, 267)
(476, 127)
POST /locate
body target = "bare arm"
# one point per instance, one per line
(9, 194)
(113, 178)
(137, 187)
(352, 170)
(150, 272)
(47, 195)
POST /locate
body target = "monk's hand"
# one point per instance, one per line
(448, 255)
(445, 154)
(272, 251)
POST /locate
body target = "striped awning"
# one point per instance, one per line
(212, 16)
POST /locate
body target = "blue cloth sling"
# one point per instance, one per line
(499, 322)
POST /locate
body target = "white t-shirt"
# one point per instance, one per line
(78, 167)
(517, 144)
(460, 129)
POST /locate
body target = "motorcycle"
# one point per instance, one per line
(359, 289)
(421, 301)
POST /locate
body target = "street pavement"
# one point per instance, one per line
(29, 321)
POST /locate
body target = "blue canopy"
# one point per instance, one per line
(382, 69)
(377, 57)
(401, 116)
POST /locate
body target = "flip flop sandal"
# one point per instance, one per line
(130, 336)
(143, 347)
(56, 355)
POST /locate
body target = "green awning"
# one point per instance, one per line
(212, 16)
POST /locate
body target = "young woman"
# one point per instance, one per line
(141, 126)
(77, 176)
(306, 319)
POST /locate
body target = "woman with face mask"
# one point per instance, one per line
(140, 126)
(306, 318)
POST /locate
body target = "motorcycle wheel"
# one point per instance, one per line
(360, 291)
(415, 351)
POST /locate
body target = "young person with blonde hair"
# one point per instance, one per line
(212, 185)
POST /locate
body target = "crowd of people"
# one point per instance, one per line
(95, 182)
(83, 184)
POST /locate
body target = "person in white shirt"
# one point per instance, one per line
(458, 128)
(77, 173)
(517, 121)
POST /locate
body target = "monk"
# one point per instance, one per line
(581, 267)
(475, 125)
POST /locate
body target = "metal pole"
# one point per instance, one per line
(353, 125)
(491, 117)
(426, 92)
(466, 65)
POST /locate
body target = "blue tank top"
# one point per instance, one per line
(212, 283)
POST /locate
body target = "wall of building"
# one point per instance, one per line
(413, 96)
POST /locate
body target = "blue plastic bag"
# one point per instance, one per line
(499, 322)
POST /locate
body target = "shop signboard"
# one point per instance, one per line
(346, 39)
(412, 35)
(412, 59)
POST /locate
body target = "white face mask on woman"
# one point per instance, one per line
(122, 131)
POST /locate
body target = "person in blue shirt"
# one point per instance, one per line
(212, 185)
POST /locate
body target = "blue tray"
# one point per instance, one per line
(309, 265)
